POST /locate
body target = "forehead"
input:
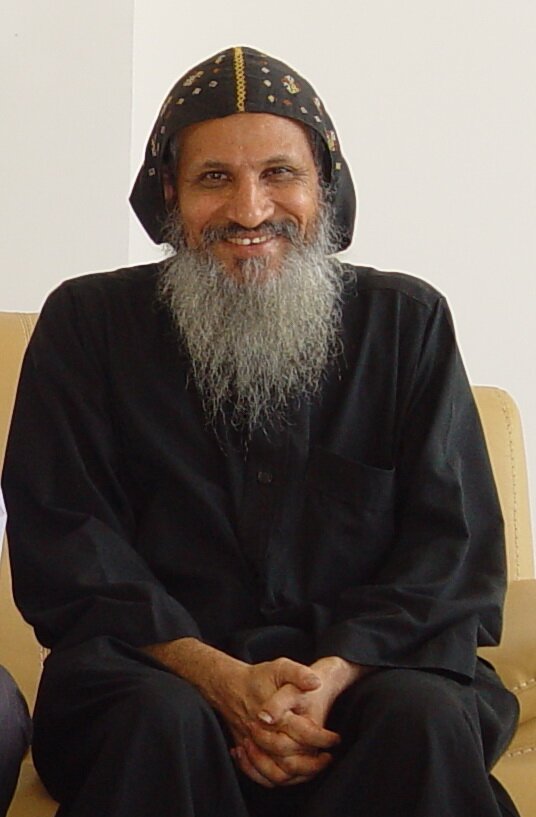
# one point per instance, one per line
(244, 137)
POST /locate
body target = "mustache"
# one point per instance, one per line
(285, 228)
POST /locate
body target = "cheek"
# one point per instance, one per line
(304, 207)
(194, 218)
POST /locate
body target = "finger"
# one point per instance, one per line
(291, 766)
(263, 764)
(305, 731)
(290, 672)
(300, 728)
(249, 770)
(304, 765)
(287, 698)
(299, 779)
(305, 774)
(277, 743)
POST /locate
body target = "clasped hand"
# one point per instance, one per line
(277, 715)
(275, 710)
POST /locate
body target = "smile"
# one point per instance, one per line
(245, 242)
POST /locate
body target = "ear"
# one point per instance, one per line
(170, 193)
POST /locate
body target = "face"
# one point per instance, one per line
(246, 171)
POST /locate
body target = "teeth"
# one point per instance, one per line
(245, 242)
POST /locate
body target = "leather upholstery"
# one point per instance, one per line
(515, 659)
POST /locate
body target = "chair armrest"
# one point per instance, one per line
(515, 657)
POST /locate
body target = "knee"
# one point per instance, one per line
(168, 706)
(412, 701)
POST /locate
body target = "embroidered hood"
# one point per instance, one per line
(241, 80)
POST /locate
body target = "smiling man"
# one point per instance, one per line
(251, 234)
(229, 174)
(251, 508)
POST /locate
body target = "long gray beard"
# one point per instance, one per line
(257, 345)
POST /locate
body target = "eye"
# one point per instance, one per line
(213, 178)
(279, 172)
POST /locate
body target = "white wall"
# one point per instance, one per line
(66, 77)
(434, 102)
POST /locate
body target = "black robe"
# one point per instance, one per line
(368, 527)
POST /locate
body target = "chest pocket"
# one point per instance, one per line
(348, 522)
(350, 481)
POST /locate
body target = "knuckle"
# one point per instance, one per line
(300, 779)
(280, 748)
(281, 663)
(292, 766)
(267, 742)
(276, 774)
(286, 746)
(262, 781)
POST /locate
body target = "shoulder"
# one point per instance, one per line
(99, 309)
(103, 295)
(393, 307)
(113, 284)
(397, 285)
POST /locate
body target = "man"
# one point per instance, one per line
(15, 723)
(251, 509)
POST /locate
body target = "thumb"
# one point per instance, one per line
(287, 698)
(291, 672)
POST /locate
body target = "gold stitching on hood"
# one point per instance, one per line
(240, 80)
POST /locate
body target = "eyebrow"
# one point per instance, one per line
(214, 164)
(280, 159)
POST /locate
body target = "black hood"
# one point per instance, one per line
(241, 80)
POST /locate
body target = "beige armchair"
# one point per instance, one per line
(515, 659)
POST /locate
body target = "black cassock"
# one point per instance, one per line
(367, 527)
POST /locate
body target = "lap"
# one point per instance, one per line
(105, 687)
(96, 677)
(104, 673)
(409, 698)
(105, 697)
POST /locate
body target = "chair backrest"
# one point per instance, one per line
(19, 650)
(500, 418)
(502, 428)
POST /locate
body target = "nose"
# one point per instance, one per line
(250, 203)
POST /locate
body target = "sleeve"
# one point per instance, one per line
(439, 591)
(76, 574)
